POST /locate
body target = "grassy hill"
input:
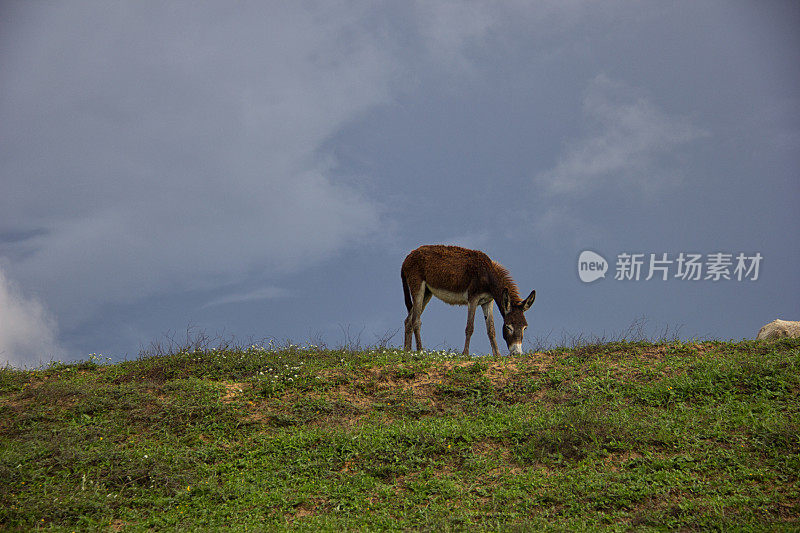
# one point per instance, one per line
(619, 435)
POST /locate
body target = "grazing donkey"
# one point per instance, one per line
(459, 276)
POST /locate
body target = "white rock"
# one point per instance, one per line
(778, 329)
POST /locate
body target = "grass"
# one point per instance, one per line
(609, 436)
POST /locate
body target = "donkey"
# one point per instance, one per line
(459, 276)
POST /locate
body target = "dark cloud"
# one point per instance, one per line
(165, 149)
(165, 163)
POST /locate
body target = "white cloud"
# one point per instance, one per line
(264, 293)
(27, 332)
(631, 143)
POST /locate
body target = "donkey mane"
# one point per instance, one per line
(506, 281)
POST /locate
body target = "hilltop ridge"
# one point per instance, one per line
(608, 435)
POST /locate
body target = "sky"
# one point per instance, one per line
(259, 170)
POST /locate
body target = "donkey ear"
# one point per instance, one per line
(528, 301)
(505, 302)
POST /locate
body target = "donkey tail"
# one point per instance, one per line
(406, 291)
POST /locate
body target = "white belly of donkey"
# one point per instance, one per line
(450, 297)
(457, 298)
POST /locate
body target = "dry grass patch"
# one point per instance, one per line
(233, 390)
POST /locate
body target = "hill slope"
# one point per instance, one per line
(619, 435)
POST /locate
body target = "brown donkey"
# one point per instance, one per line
(459, 276)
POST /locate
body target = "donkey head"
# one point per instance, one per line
(514, 322)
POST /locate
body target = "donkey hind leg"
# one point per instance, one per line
(412, 323)
(408, 328)
(488, 315)
(418, 318)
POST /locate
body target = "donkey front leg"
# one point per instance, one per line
(471, 306)
(417, 334)
(488, 315)
(412, 324)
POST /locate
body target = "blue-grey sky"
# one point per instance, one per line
(261, 169)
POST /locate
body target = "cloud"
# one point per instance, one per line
(153, 151)
(564, 222)
(264, 293)
(448, 26)
(130, 252)
(630, 143)
(150, 151)
(27, 332)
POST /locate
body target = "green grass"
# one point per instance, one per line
(608, 436)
